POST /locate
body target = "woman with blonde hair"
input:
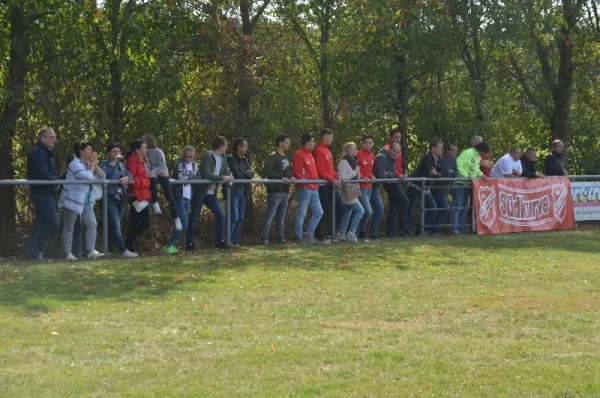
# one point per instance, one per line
(347, 171)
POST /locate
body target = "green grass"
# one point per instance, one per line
(478, 316)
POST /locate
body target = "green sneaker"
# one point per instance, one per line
(171, 250)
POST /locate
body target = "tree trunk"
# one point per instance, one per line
(324, 69)
(401, 104)
(15, 87)
(115, 109)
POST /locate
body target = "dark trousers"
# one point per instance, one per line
(214, 205)
(46, 224)
(326, 193)
(165, 183)
(398, 208)
(138, 223)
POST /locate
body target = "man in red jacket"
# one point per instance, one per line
(305, 168)
(326, 170)
(371, 204)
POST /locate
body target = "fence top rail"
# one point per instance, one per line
(258, 181)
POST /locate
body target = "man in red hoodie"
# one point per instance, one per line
(305, 168)
(324, 161)
(372, 205)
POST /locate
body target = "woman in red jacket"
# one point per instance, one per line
(139, 192)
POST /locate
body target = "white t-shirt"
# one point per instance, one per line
(505, 165)
(187, 189)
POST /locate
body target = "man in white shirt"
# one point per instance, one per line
(509, 165)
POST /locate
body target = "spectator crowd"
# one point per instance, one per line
(356, 183)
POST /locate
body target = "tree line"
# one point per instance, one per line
(517, 72)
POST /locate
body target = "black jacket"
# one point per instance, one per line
(528, 166)
(277, 167)
(240, 168)
(385, 165)
(41, 166)
(180, 172)
(555, 165)
(427, 163)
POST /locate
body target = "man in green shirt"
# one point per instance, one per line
(468, 165)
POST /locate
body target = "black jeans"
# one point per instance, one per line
(46, 221)
(138, 223)
(165, 183)
(326, 192)
(398, 208)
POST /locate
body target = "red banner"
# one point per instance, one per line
(523, 204)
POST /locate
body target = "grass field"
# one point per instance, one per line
(471, 316)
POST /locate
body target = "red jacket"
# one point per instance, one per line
(324, 161)
(305, 168)
(141, 183)
(398, 160)
(366, 160)
(485, 170)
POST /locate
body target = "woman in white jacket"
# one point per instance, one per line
(79, 199)
(348, 170)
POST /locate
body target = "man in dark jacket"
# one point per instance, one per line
(528, 164)
(213, 167)
(555, 165)
(240, 169)
(277, 167)
(385, 167)
(41, 166)
(429, 167)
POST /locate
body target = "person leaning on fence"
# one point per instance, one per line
(555, 164)
(324, 161)
(370, 199)
(159, 174)
(42, 166)
(449, 170)
(277, 167)
(139, 193)
(348, 170)
(307, 195)
(78, 199)
(213, 167)
(435, 198)
(239, 164)
(115, 170)
(528, 164)
(385, 167)
(509, 165)
(185, 169)
(400, 197)
(486, 164)
(468, 165)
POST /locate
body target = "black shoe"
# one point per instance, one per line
(223, 246)
(361, 235)
(282, 242)
(406, 234)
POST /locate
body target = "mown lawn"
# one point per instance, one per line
(470, 316)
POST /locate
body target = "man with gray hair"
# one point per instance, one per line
(42, 166)
(509, 165)
(555, 165)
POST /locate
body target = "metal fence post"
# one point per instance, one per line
(105, 218)
(473, 219)
(228, 206)
(422, 229)
(333, 213)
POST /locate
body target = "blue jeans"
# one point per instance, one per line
(365, 201)
(377, 207)
(308, 198)
(441, 200)
(46, 224)
(414, 195)
(354, 210)
(460, 198)
(183, 208)
(214, 205)
(238, 209)
(116, 208)
(277, 203)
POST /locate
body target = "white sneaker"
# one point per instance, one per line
(94, 254)
(70, 257)
(178, 226)
(156, 208)
(128, 254)
(139, 206)
(351, 236)
(342, 238)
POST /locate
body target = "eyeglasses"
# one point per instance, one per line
(52, 137)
